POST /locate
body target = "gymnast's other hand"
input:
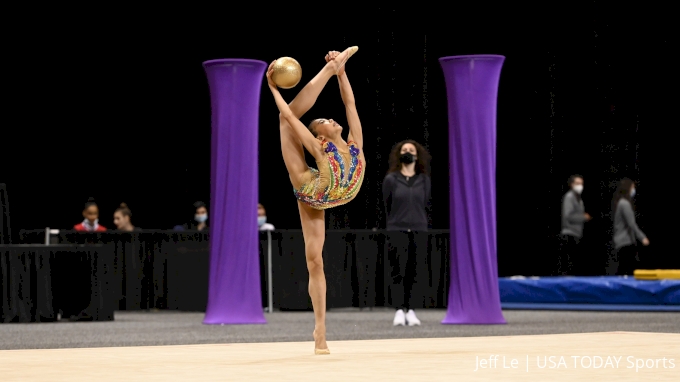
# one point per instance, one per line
(588, 217)
(270, 71)
(331, 57)
(645, 241)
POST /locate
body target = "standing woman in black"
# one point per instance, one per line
(406, 194)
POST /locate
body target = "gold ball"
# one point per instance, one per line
(287, 72)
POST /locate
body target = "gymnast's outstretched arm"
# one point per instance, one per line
(304, 135)
(355, 133)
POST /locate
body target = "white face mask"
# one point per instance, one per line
(632, 193)
(578, 188)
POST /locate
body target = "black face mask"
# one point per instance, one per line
(406, 158)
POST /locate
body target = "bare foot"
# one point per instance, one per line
(320, 338)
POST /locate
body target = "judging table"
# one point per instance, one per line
(41, 283)
(169, 269)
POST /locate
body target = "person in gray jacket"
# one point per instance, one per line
(574, 217)
(626, 230)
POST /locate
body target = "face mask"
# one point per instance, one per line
(261, 220)
(96, 221)
(632, 193)
(578, 188)
(201, 218)
(407, 158)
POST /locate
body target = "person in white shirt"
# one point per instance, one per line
(262, 219)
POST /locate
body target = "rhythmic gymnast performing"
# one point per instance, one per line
(339, 174)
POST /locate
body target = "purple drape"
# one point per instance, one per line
(234, 294)
(472, 90)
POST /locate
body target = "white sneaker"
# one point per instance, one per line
(399, 318)
(412, 319)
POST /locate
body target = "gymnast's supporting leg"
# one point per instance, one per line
(313, 231)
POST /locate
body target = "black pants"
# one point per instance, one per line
(569, 256)
(627, 258)
(404, 249)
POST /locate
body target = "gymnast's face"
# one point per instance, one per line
(327, 128)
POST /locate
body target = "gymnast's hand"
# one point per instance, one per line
(331, 56)
(270, 71)
(645, 241)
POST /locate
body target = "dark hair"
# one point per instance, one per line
(573, 178)
(622, 192)
(312, 128)
(90, 203)
(199, 204)
(123, 208)
(422, 162)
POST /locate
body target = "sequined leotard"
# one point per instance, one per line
(336, 182)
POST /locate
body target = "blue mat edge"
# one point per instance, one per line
(585, 292)
(590, 307)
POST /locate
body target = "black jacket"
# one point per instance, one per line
(407, 206)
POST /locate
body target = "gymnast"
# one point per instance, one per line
(337, 179)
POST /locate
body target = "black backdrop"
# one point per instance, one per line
(115, 105)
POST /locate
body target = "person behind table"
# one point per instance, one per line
(574, 217)
(91, 221)
(122, 219)
(406, 194)
(626, 230)
(262, 219)
(200, 221)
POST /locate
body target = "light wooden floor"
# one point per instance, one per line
(445, 359)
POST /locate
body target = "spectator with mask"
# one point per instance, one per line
(406, 194)
(574, 217)
(262, 219)
(122, 219)
(200, 221)
(91, 215)
(626, 230)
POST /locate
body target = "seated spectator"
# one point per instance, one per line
(200, 221)
(262, 219)
(122, 219)
(91, 215)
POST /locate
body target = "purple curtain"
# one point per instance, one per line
(472, 90)
(234, 294)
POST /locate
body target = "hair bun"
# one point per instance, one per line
(123, 205)
(90, 199)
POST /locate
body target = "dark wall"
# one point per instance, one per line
(120, 111)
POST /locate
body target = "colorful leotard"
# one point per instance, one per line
(336, 182)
